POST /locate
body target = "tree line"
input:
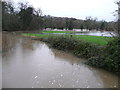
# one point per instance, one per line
(73, 23)
(26, 17)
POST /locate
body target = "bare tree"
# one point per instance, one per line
(38, 12)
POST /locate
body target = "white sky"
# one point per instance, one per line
(102, 9)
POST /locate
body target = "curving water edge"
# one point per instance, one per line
(32, 64)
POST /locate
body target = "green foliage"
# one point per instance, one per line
(113, 55)
(87, 50)
(64, 43)
(96, 61)
(110, 58)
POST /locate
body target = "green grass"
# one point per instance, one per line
(38, 35)
(99, 40)
(58, 32)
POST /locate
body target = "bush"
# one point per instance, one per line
(96, 61)
(113, 55)
(87, 50)
(113, 49)
(63, 43)
(109, 58)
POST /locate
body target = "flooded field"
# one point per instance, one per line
(91, 33)
(98, 33)
(33, 64)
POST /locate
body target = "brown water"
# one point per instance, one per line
(32, 64)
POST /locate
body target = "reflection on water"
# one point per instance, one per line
(32, 64)
(8, 42)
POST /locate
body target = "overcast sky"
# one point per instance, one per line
(102, 9)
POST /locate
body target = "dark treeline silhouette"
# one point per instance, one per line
(23, 18)
(73, 23)
(26, 17)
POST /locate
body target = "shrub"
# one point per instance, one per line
(64, 43)
(113, 55)
(113, 49)
(87, 50)
(109, 58)
(96, 61)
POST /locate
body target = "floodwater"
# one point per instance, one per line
(91, 33)
(98, 33)
(33, 64)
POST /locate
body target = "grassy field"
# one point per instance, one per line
(99, 40)
(37, 35)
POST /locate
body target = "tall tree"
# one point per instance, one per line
(26, 17)
(71, 24)
(102, 26)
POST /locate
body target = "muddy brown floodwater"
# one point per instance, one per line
(33, 64)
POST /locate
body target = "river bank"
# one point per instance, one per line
(97, 55)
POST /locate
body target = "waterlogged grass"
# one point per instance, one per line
(37, 35)
(99, 40)
(58, 32)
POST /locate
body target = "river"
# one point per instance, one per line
(33, 64)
